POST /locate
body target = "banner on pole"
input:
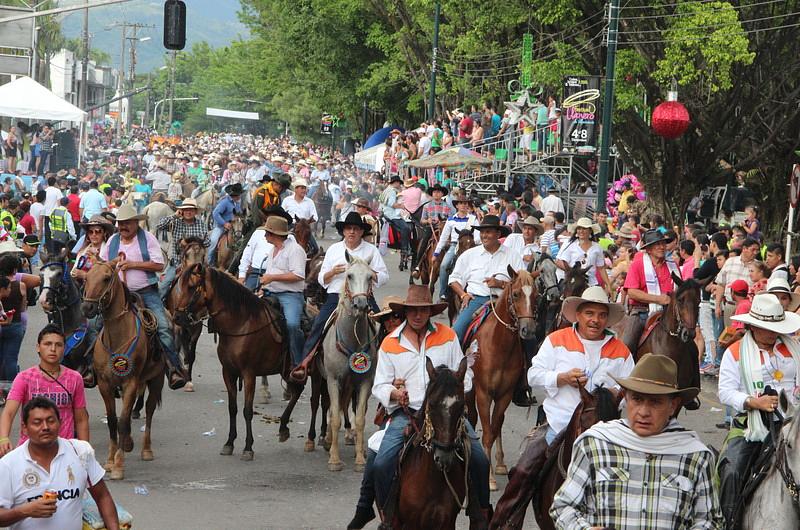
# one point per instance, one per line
(580, 110)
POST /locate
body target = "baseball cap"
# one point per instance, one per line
(31, 240)
(739, 286)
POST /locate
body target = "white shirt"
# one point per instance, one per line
(450, 231)
(52, 199)
(572, 253)
(255, 253)
(552, 203)
(37, 209)
(160, 179)
(303, 210)
(476, 265)
(399, 359)
(73, 470)
(517, 242)
(335, 256)
(253, 175)
(291, 258)
(424, 145)
(732, 391)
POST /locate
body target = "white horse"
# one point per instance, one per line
(350, 356)
(774, 504)
(155, 211)
(206, 202)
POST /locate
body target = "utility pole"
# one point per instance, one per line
(608, 105)
(366, 127)
(432, 97)
(172, 87)
(131, 77)
(83, 96)
(121, 83)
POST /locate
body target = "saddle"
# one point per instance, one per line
(300, 373)
(478, 318)
(652, 322)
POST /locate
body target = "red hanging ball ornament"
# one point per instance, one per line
(670, 119)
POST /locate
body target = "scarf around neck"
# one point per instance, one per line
(673, 440)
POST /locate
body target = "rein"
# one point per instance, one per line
(681, 331)
(371, 332)
(782, 465)
(429, 444)
(511, 311)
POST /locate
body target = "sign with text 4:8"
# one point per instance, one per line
(580, 113)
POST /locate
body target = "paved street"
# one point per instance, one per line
(191, 486)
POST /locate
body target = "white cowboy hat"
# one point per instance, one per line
(9, 246)
(594, 295)
(779, 285)
(187, 204)
(127, 212)
(299, 182)
(766, 312)
(584, 222)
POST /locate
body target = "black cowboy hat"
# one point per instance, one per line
(353, 219)
(437, 187)
(493, 222)
(277, 210)
(234, 189)
(651, 237)
(396, 179)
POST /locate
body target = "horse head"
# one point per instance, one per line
(237, 227)
(302, 231)
(521, 293)
(599, 405)
(547, 282)
(191, 294)
(357, 286)
(98, 288)
(444, 407)
(686, 303)
(576, 280)
(55, 277)
(192, 251)
(465, 240)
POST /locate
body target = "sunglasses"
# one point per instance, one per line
(96, 230)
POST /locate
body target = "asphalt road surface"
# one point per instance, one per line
(191, 486)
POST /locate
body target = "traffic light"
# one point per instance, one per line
(174, 24)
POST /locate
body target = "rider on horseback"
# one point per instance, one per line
(182, 225)
(433, 214)
(391, 208)
(226, 209)
(299, 206)
(649, 280)
(461, 220)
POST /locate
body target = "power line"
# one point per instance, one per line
(692, 14)
(710, 26)
(702, 37)
(676, 4)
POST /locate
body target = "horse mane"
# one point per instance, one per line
(234, 296)
(605, 404)
(691, 283)
(193, 240)
(445, 381)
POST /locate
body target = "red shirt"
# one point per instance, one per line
(465, 127)
(636, 279)
(28, 223)
(74, 207)
(742, 308)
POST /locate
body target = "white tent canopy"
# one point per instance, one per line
(25, 98)
(371, 159)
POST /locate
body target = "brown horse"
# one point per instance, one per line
(531, 482)
(124, 357)
(465, 242)
(671, 332)
(428, 266)
(433, 474)
(251, 343)
(500, 361)
(229, 238)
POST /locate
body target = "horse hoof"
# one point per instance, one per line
(501, 470)
(135, 415)
(283, 435)
(358, 468)
(335, 466)
(227, 450)
(287, 396)
(108, 467)
(247, 456)
(349, 438)
(189, 387)
(127, 445)
(322, 441)
(147, 455)
(309, 447)
(116, 474)
(492, 484)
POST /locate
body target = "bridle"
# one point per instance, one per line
(65, 280)
(782, 465)
(681, 331)
(515, 318)
(349, 296)
(104, 300)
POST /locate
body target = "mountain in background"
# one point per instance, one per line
(213, 21)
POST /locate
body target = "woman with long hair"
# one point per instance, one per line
(582, 248)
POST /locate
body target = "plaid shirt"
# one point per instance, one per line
(180, 229)
(611, 486)
(434, 209)
(734, 269)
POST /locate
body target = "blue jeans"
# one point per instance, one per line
(550, 435)
(366, 495)
(465, 316)
(447, 259)
(152, 301)
(386, 461)
(719, 327)
(166, 281)
(292, 306)
(10, 342)
(213, 238)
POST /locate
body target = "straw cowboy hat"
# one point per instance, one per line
(779, 285)
(532, 221)
(409, 182)
(492, 222)
(127, 212)
(385, 309)
(656, 374)
(355, 220)
(102, 222)
(362, 202)
(418, 296)
(592, 295)
(766, 312)
(460, 197)
(300, 182)
(277, 225)
(188, 204)
(625, 232)
(584, 222)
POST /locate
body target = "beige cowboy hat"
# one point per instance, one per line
(656, 374)
(532, 221)
(102, 222)
(779, 285)
(584, 222)
(299, 182)
(625, 232)
(127, 212)
(418, 296)
(8, 246)
(766, 312)
(409, 182)
(277, 225)
(592, 295)
(188, 204)
(385, 308)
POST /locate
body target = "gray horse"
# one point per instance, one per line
(350, 357)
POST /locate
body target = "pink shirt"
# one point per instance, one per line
(687, 269)
(636, 279)
(742, 308)
(33, 382)
(411, 198)
(136, 279)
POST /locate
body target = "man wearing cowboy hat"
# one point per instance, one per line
(475, 275)
(391, 207)
(299, 206)
(434, 214)
(461, 220)
(402, 357)
(255, 171)
(254, 256)
(182, 225)
(320, 173)
(767, 356)
(649, 281)
(140, 261)
(284, 278)
(227, 208)
(552, 203)
(331, 277)
(525, 243)
(644, 471)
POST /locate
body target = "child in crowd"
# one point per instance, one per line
(759, 274)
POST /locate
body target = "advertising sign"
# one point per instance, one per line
(580, 113)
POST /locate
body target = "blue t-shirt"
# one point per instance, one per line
(93, 202)
(541, 115)
(496, 121)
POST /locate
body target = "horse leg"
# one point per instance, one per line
(137, 408)
(484, 411)
(230, 385)
(498, 417)
(130, 393)
(334, 460)
(264, 393)
(249, 395)
(107, 393)
(325, 428)
(312, 429)
(349, 437)
(361, 414)
(154, 389)
(294, 390)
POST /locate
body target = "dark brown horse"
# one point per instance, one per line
(575, 281)
(428, 266)
(432, 477)
(251, 342)
(671, 333)
(466, 240)
(500, 361)
(531, 482)
(125, 357)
